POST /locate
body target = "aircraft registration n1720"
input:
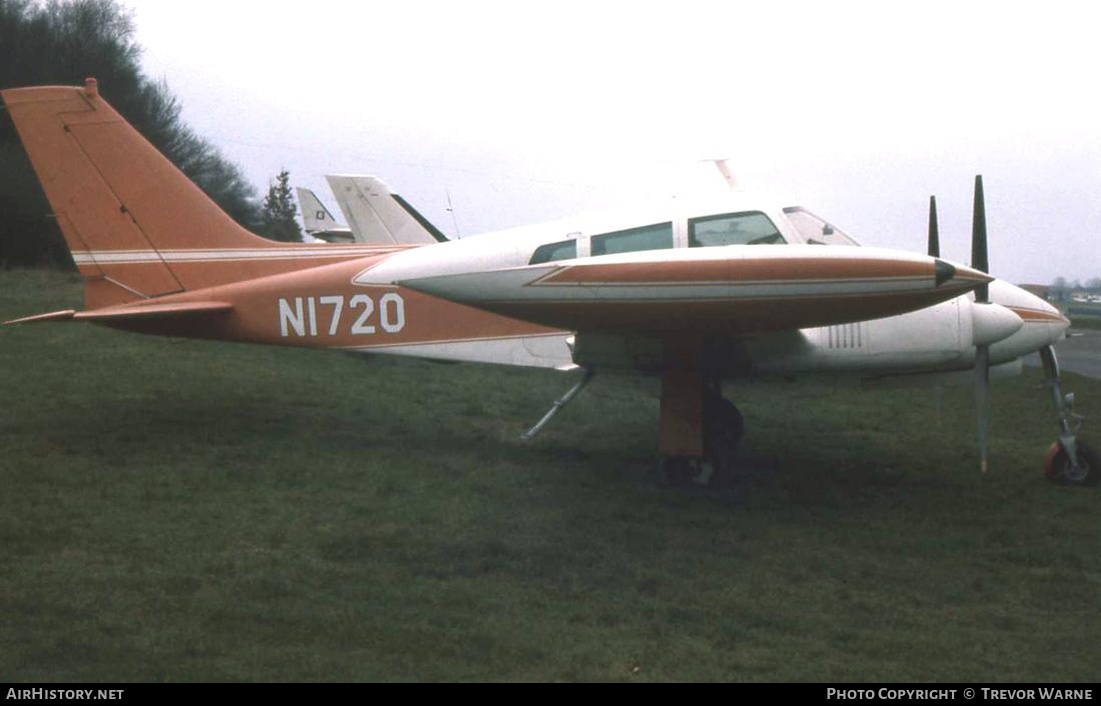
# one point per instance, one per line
(696, 291)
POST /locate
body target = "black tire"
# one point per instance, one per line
(722, 432)
(1086, 473)
(734, 423)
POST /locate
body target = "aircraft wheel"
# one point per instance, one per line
(1085, 473)
(723, 430)
(734, 423)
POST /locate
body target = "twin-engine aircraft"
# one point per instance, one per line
(696, 292)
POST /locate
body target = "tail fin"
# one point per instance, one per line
(378, 216)
(315, 217)
(121, 204)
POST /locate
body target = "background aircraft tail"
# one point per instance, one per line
(319, 223)
(378, 216)
(315, 217)
(135, 225)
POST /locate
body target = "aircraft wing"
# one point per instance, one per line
(707, 290)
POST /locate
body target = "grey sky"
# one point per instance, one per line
(522, 113)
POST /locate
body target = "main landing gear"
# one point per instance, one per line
(1069, 461)
(723, 427)
(700, 431)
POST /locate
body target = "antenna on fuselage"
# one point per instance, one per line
(728, 175)
(451, 210)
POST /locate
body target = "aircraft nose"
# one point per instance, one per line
(1052, 310)
(1043, 324)
(1049, 315)
(1059, 328)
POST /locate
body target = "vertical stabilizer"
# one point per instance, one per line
(378, 216)
(315, 217)
(121, 205)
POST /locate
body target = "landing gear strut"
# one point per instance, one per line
(1069, 461)
(701, 431)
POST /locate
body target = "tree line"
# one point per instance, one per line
(1062, 290)
(64, 42)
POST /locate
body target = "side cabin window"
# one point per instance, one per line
(749, 228)
(655, 237)
(815, 230)
(551, 252)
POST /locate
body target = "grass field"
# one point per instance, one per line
(1086, 322)
(1086, 316)
(177, 510)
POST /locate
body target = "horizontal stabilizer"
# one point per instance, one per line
(38, 318)
(129, 312)
(150, 311)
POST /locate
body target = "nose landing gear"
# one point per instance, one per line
(1069, 461)
(1084, 471)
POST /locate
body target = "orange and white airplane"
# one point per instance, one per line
(695, 292)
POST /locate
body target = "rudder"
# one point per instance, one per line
(121, 205)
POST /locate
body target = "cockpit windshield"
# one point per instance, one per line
(814, 230)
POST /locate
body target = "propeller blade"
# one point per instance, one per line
(982, 403)
(934, 230)
(980, 261)
(979, 258)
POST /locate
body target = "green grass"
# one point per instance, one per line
(1084, 316)
(1086, 322)
(180, 510)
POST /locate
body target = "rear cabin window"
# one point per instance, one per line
(551, 252)
(655, 237)
(750, 228)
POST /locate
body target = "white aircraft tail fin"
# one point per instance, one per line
(319, 223)
(376, 215)
(315, 217)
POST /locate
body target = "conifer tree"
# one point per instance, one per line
(279, 212)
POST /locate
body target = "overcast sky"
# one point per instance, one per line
(522, 112)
